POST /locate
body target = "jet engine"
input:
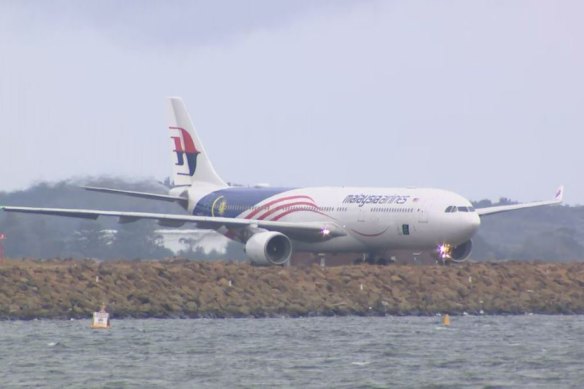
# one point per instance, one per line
(461, 252)
(269, 248)
(458, 253)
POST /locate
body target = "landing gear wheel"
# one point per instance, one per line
(382, 261)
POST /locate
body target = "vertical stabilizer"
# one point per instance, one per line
(191, 165)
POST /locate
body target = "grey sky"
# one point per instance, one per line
(483, 98)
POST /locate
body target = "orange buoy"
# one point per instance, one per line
(446, 320)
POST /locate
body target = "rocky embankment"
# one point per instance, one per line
(75, 288)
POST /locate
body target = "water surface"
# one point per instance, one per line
(475, 351)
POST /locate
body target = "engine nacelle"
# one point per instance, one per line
(269, 248)
(461, 252)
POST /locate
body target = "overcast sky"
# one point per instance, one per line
(485, 98)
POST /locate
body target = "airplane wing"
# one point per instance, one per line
(297, 230)
(512, 207)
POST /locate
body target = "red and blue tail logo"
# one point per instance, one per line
(186, 152)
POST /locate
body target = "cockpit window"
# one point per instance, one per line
(466, 209)
(453, 208)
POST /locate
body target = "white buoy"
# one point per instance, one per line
(101, 319)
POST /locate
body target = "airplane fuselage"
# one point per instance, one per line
(375, 219)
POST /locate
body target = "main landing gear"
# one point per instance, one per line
(371, 259)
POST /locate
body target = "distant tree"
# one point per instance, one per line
(482, 204)
(481, 250)
(195, 251)
(190, 244)
(26, 239)
(90, 240)
(505, 201)
(560, 244)
(138, 240)
(19, 241)
(233, 251)
(50, 241)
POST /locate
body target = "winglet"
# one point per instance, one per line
(560, 194)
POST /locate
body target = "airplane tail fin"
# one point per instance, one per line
(191, 165)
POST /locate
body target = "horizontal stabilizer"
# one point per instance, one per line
(144, 195)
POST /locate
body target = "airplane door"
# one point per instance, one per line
(361, 216)
(422, 215)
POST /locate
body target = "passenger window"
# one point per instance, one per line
(405, 229)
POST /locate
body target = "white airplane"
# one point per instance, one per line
(273, 222)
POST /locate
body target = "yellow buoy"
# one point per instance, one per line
(446, 320)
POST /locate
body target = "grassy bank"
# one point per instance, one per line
(63, 289)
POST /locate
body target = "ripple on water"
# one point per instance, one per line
(495, 351)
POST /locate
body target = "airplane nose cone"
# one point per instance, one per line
(474, 221)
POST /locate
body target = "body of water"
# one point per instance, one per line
(378, 352)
